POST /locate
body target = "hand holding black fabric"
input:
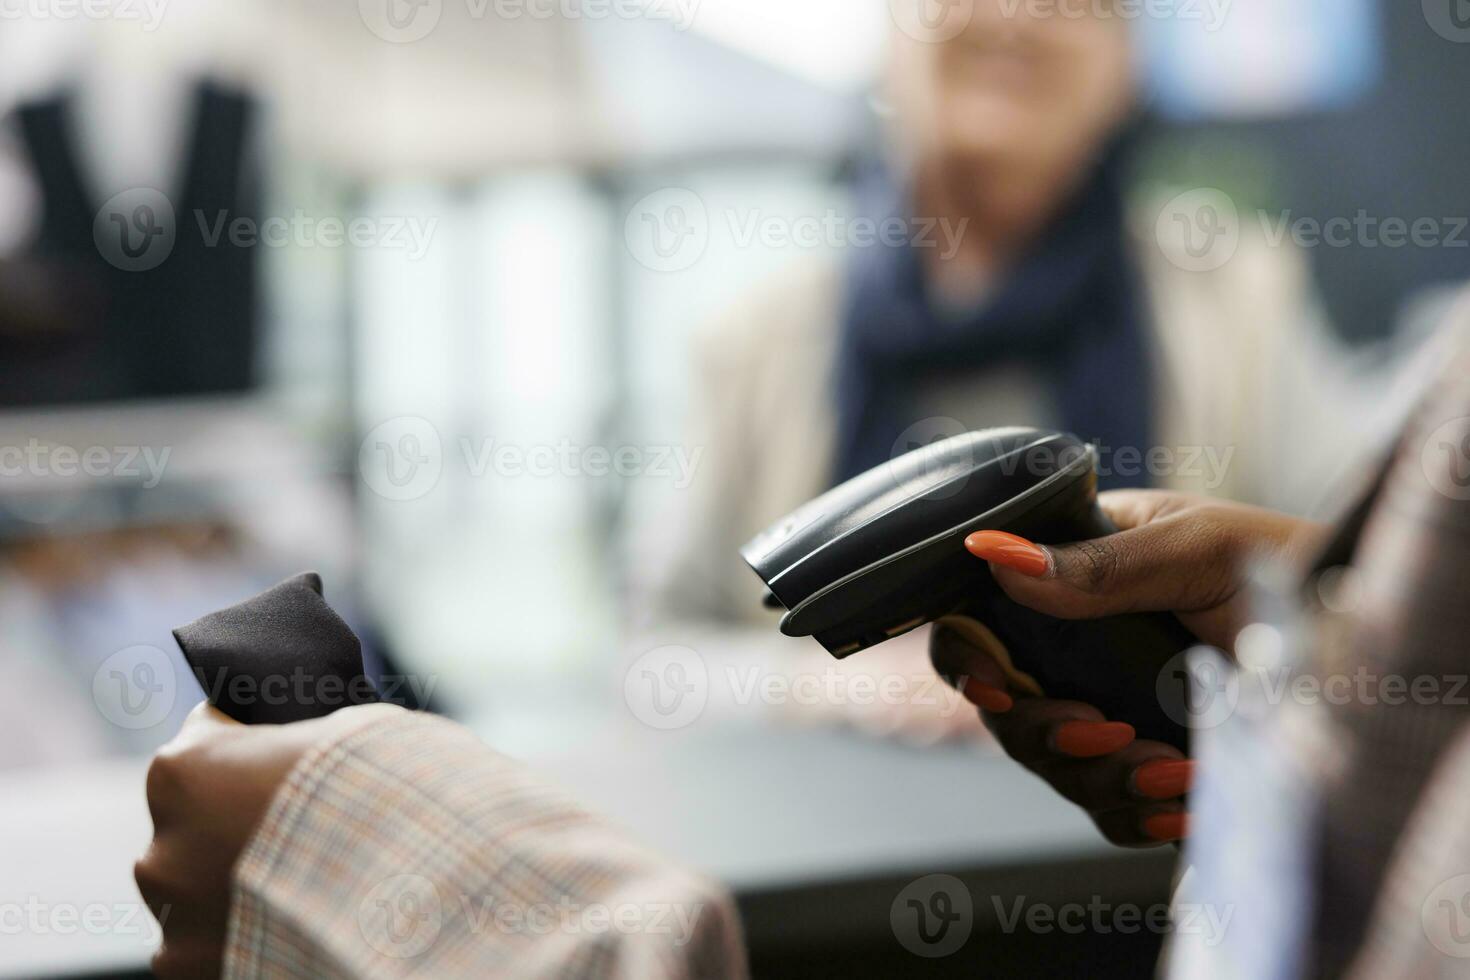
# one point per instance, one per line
(280, 657)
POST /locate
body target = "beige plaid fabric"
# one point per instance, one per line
(411, 849)
(1421, 928)
(1393, 864)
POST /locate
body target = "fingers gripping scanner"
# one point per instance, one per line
(884, 553)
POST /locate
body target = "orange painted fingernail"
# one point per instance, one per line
(1163, 779)
(988, 697)
(1167, 826)
(1088, 739)
(1009, 550)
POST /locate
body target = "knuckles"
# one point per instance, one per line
(149, 881)
(173, 773)
(160, 889)
(165, 778)
(167, 784)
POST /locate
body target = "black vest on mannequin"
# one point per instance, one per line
(184, 327)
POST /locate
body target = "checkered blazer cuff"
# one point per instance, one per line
(410, 848)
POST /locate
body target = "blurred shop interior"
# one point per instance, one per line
(241, 393)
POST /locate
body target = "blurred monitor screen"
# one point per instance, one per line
(1211, 59)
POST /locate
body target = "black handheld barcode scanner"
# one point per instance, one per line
(884, 553)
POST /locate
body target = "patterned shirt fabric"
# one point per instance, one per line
(411, 849)
(1421, 927)
(1402, 644)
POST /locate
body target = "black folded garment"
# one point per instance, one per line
(282, 656)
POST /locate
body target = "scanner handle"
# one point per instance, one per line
(1124, 665)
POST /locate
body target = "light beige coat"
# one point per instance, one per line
(1257, 402)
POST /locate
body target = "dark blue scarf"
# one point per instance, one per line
(1071, 308)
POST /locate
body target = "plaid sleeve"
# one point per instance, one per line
(1421, 923)
(411, 849)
